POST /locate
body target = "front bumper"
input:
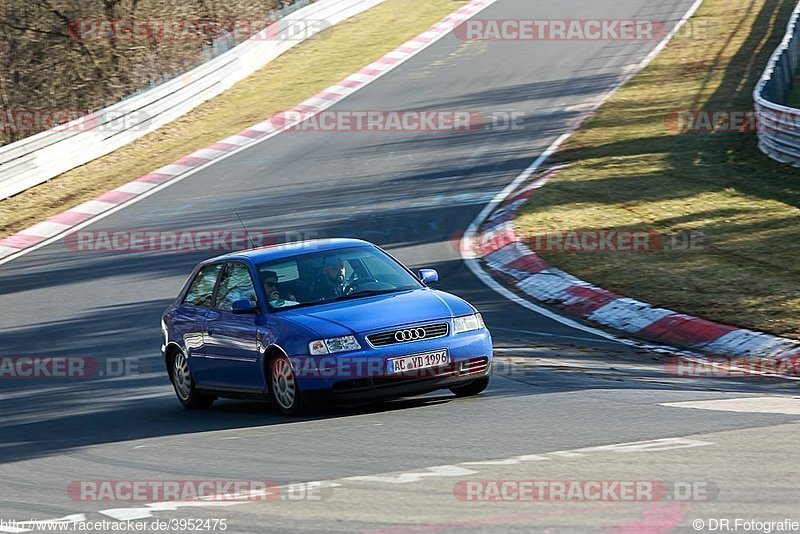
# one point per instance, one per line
(372, 389)
(361, 375)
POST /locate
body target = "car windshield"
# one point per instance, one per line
(348, 273)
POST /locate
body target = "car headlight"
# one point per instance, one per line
(467, 323)
(334, 344)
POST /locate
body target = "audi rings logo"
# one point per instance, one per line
(410, 335)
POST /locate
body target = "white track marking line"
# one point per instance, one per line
(466, 243)
(546, 334)
(474, 264)
(769, 404)
(450, 470)
(146, 511)
(416, 476)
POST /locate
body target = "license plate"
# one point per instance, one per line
(414, 362)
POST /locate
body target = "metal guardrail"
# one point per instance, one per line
(779, 124)
(223, 42)
(40, 157)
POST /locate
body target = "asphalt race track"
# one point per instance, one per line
(560, 393)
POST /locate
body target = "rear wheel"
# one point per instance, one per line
(473, 388)
(184, 385)
(283, 384)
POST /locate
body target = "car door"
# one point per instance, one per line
(232, 339)
(188, 320)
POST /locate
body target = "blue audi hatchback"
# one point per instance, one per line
(319, 322)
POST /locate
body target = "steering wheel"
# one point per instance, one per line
(349, 285)
(353, 285)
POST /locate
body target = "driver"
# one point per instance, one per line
(330, 282)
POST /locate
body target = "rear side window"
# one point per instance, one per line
(201, 291)
(236, 284)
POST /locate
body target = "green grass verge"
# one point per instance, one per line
(630, 170)
(295, 76)
(794, 96)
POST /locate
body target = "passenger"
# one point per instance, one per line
(272, 289)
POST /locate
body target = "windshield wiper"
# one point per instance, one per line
(370, 293)
(357, 294)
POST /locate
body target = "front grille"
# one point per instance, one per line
(406, 335)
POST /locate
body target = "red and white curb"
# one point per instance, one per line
(75, 218)
(501, 249)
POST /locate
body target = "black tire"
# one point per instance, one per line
(184, 385)
(284, 389)
(473, 388)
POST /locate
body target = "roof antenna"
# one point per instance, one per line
(246, 233)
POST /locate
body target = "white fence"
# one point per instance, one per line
(40, 157)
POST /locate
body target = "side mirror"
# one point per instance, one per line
(428, 276)
(243, 306)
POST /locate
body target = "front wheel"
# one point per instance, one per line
(473, 388)
(285, 390)
(184, 385)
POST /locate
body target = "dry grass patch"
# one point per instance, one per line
(630, 169)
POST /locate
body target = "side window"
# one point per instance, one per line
(236, 284)
(202, 289)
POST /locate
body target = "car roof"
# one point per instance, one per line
(286, 250)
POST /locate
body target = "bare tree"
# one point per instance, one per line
(82, 55)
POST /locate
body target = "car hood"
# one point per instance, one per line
(379, 312)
